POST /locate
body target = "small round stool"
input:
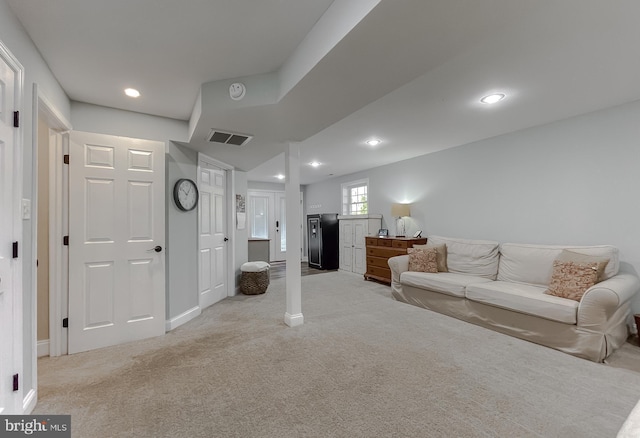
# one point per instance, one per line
(255, 278)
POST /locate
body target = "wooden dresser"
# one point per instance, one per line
(380, 249)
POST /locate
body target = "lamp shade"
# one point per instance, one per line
(400, 210)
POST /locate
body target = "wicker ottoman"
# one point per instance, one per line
(255, 278)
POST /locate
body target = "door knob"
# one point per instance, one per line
(156, 248)
(226, 239)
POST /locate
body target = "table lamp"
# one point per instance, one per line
(399, 211)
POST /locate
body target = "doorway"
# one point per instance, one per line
(267, 220)
(51, 204)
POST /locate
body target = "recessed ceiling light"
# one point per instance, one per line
(132, 92)
(373, 142)
(314, 164)
(280, 176)
(492, 98)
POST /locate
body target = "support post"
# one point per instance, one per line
(293, 315)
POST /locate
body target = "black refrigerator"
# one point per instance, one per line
(322, 236)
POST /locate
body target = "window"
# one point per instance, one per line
(355, 197)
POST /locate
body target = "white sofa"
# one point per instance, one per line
(502, 287)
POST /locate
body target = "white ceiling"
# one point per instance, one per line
(410, 72)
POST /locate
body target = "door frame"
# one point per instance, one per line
(59, 127)
(230, 219)
(20, 340)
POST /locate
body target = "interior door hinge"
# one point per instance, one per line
(15, 250)
(65, 240)
(15, 382)
(65, 323)
(16, 119)
(65, 159)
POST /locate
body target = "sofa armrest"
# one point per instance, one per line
(398, 265)
(602, 300)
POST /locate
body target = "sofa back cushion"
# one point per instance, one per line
(470, 257)
(533, 264)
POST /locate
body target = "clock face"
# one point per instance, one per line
(185, 194)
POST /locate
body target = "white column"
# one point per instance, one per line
(293, 315)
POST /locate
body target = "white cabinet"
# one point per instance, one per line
(353, 230)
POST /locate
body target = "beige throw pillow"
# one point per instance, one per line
(441, 254)
(572, 279)
(571, 256)
(422, 260)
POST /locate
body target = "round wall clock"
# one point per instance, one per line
(185, 194)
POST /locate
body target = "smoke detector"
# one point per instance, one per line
(233, 138)
(237, 91)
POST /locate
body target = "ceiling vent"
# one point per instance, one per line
(233, 138)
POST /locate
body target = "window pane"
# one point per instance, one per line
(260, 218)
(355, 198)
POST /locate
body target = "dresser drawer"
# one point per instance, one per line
(381, 262)
(377, 251)
(408, 243)
(378, 241)
(379, 272)
(371, 241)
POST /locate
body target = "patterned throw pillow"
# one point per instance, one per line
(422, 260)
(441, 254)
(572, 279)
(572, 256)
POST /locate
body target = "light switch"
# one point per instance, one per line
(26, 209)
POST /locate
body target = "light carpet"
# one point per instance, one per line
(362, 365)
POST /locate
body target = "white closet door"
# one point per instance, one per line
(212, 224)
(116, 240)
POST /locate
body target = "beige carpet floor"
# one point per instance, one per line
(362, 365)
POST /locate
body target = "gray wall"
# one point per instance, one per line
(568, 182)
(103, 120)
(241, 237)
(182, 235)
(259, 185)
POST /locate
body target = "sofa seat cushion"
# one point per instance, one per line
(444, 282)
(523, 298)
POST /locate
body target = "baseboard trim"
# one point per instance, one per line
(293, 320)
(183, 318)
(29, 402)
(43, 348)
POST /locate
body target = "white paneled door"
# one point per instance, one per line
(116, 240)
(212, 225)
(10, 335)
(346, 245)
